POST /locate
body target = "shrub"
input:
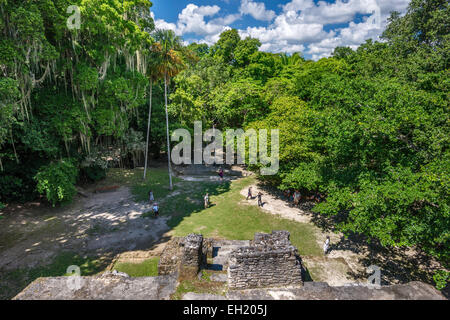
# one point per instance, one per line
(57, 181)
(441, 278)
(93, 174)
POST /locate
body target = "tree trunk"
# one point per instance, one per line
(148, 129)
(14, 148)
(167, 128)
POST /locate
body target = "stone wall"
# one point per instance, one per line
(108, 286)
(170, 259)
(183, 255)
(192, 255)
(270, 261)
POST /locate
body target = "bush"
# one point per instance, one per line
(93, 174)
(57, 181)
(441, 278)
(11, 188)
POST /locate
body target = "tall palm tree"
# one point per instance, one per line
(170, 47)
(154, 74)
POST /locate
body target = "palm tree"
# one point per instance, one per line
(154, 74)
(170, 47)
(295, 59)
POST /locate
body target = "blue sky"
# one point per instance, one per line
(312, 27)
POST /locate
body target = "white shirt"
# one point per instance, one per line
(326, 245)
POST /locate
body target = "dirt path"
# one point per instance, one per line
(102, 223)
(107, 224)
(348, 260)
(333, 268)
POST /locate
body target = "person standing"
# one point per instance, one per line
(206, 199)
(297, 197)
(326, 246)
(249, 194)
(155, 210)
(151, 197)
(221, 174)
(260, 203)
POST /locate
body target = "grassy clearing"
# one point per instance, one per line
(157, 180)
(147, 268)
(230, 218)
(12, 282)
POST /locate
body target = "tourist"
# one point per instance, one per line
(249, 194)
(326, 245)
(221, 174)
(155, 210)
(151, 197)
(297, 197)
(206, 198)
(260, 203)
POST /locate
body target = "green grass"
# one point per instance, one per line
(230, 219)
(147, 268)
(198, 286)
(157, 180)
(12, 282)
(227, 218)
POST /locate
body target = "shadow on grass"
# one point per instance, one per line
(13, 282)
(397, 264)
(191, 201)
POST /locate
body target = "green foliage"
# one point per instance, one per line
(224, 49)
(57, 181)
(94, 173)
(238, 103)
(367, 128)
(441, 278)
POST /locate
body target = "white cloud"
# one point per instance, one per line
(300, 26)
(192, 20)
(257, 10)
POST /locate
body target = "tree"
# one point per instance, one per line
(224, 49)
(171, 64)
(153, 74)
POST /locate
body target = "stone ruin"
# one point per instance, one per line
(270, 261)
(184, 256)
(267, 267)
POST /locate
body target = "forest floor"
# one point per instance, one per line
(37, 240)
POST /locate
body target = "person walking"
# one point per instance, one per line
(249, 194)
(206, 199)
(326, 246)
(221, 174)
(260, 203)
(155, 210)
(151, 198)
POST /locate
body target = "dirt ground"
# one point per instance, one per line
(348, 259)
(111, 223)
(103, 223)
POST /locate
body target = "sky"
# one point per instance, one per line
(312, 27)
